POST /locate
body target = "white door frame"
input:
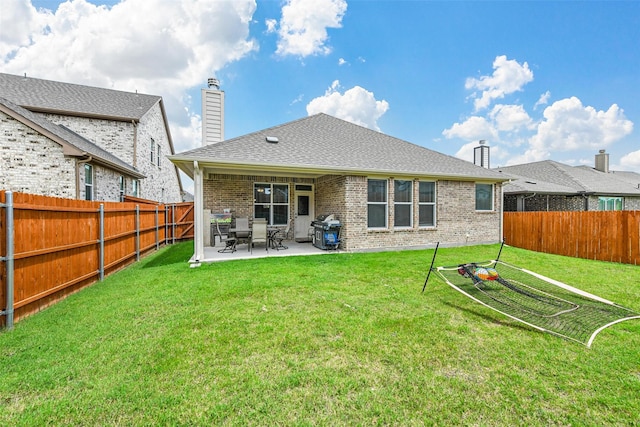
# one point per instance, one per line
(302, 224)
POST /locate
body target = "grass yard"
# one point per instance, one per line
(338, 339)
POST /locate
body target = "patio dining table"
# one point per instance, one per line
(245, 233)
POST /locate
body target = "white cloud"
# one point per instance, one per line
(271, 25)
(508, 76)
(543, 100)
(356, 105)
(19, 22)
(342, 61)
(510, 117)
(631, 161)
(529, 156)
(157, 47)
(568, 125)
(304, 23)
(472, 129)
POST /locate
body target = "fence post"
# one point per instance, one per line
(9, 260)
(166, 225)
(157, 233)
(137, 232)
(101, 241)
(173, 224)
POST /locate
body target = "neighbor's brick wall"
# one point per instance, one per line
(118, 138)
(631, 203)
(161, 182)
(32, 163)
(558, 203)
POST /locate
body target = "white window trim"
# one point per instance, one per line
(385, 203)
(433, 204)
(271, 204)
(493, 196)
(410, 203)
(89, 167)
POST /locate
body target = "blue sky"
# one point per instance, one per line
(538, 80)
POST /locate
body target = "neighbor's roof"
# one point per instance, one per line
(73, 144)
(322, 144)
(75, 100)
(550, 177)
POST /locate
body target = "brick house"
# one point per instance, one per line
(553, 186)
(81, 142)
(386, 192)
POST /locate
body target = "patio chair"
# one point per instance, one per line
(259, 233)
(229, 241)
(243, 232)
(280, 236)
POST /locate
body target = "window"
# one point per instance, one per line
(158, 155)
(271, 202)
(122, 187)
(609, 203)
(427, 204)
(377, 203)
(88, 182)
(153, 150)
(402, 203)
(135, 187)
(484, 197)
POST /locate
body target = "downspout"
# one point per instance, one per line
(135, 144)
(78, 164)
(585, 195)
(524, 201)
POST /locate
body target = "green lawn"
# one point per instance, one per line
(338, 339)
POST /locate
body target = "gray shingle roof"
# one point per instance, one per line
(550, 177)
(72, 99)
(65, 135)
(325, 142)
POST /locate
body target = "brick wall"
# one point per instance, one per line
(32, 163)
(161, 182)
(558, 203)
(119, 138)
(457, 221)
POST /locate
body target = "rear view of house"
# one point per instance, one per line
(386, 192)
(82, 142)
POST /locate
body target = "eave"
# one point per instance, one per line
(209, 167)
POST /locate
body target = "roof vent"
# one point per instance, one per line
(272, 139)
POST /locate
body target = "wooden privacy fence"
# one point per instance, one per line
(606, 236)
(52, 247)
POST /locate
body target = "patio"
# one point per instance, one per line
(211, 253)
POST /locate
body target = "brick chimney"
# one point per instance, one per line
(212, 113)
(602, 161)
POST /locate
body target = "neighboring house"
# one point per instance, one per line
(81, 142)
(553, 186)
(386, 192)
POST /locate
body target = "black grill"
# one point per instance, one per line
(326, 232)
